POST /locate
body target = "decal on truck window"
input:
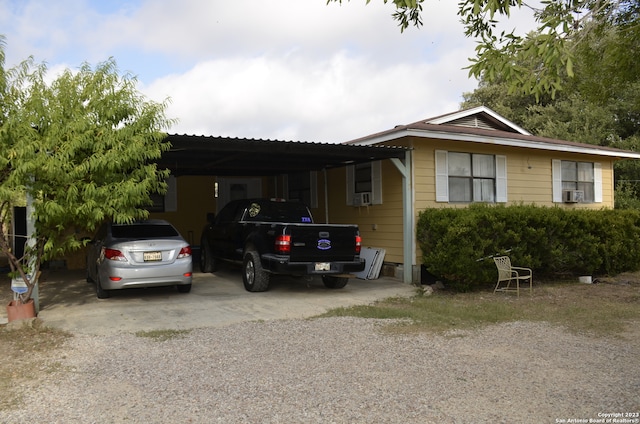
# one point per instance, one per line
(254, 210)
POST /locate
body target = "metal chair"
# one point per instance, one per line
(508, 274)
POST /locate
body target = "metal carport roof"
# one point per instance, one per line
(226, 156)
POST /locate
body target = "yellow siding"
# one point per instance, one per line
(381, 226)
(195, 199)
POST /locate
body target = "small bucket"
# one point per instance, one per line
(586, 279)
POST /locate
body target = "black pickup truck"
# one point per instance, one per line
(270, 236)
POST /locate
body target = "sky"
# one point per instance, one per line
(294, 70)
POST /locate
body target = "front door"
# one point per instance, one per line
(237, 188)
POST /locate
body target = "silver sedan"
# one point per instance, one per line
(142, 254)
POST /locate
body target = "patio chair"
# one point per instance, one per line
(509, 277)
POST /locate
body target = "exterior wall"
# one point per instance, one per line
(529, 177)
(195, 199)
(380, 225)
(529, 181)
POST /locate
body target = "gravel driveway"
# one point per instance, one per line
(338, 370)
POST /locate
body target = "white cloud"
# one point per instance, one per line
(278, 69)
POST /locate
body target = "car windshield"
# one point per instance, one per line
(143, 231)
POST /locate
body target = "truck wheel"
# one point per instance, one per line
(254, 277)
(207, 262)
(333, 282)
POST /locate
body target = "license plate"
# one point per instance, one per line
(323, 266)
(152, 256)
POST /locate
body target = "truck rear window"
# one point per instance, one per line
(278, 212)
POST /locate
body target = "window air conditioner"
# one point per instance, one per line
(362, 199)
(572, 196)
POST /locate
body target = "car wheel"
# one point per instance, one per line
(100, 292)
(254, 277)
(333, 282)
(184, 288)
(207, 262)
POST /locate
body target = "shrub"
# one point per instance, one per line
(458, 244)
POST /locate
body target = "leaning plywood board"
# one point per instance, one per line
(374, 259)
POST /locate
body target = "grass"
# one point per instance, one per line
(597, 309)
(162, 335)
(27, 352)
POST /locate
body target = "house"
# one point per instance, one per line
(382, 181)
(467, 156)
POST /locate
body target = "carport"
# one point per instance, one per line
(226, 156)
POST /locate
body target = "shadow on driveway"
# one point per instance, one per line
(68, 302)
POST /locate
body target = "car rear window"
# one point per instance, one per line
(143, 231)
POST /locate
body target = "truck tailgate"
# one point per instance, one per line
(317, 242)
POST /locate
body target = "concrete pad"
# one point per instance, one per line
(68, 302)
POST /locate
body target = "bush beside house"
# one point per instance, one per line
(458, 244)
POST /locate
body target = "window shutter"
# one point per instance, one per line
(442, 176)
(351, 184)
(171, 197)
(556, 172)
(597, 182)
(376, 183)
(501, 179)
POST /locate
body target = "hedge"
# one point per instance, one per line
(458, 244)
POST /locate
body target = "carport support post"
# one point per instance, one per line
(408, 217)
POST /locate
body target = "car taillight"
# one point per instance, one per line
(283, 244)
(184, 252)
(358, 244)
(114, 255)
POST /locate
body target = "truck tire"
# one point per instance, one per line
(207, 262)
(254, 277)
(100, 292)
(333, 282)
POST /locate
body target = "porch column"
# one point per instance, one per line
(408, 224)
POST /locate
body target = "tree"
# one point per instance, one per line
(561, 24)
(601, 106)
(82, 148)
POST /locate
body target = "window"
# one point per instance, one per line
(303, 187)
(364, 178)
(167, 202)
(573, 175)
(470, 177)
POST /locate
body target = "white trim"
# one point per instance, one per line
(597, 182)
(442, 175)
(499, 141)
(501, 179)
(556, 176)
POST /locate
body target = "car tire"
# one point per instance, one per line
(184, 288)
(208, 263)
(100, 292)
(333, 282)
(255, 278)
